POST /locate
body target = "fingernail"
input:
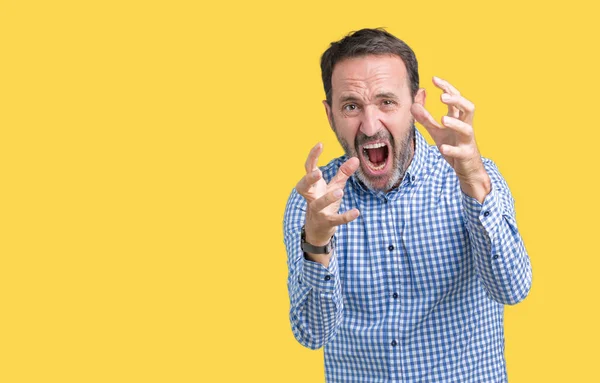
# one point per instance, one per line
(337, 193)
(445, 97)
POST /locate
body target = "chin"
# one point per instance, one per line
(379, 183)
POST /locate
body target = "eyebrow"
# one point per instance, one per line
(348, 98)
(386, 95)
(379, 95)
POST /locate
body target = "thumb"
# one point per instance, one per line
(423, 117)
(345, 171)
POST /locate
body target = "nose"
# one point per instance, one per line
(370, 123)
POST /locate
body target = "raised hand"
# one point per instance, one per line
(455, 139)
(323, 200)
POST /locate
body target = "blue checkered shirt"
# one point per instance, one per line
(416, 286)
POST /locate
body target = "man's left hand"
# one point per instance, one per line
(455, 139)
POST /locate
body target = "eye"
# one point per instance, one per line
(351, 109)
(389, 102)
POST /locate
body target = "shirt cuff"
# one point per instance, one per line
(483, 217)
(319, 277)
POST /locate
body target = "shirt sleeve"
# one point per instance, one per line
(315, 292)
(499, 254)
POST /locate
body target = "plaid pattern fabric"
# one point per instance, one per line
(416, 285)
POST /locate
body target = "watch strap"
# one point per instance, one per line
(312, 249)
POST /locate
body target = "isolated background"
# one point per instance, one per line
(148, 149)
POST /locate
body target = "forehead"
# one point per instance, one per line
(368, 74)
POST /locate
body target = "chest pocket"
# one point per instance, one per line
(438, 249)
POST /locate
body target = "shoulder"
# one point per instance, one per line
(437, 166)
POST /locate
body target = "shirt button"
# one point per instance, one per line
(486, 213)
(327, 277)
(413, 178)
(496, 256)
(394, 343)
(395, 295)
(391, 247)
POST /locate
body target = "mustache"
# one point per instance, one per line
(362, 138)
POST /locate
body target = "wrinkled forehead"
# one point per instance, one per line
(367, 75)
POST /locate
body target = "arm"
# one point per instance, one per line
(315, 292)
(500, 257)
(313, 281)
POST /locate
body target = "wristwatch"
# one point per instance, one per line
(312, 249)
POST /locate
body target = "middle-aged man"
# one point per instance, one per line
(401, 255)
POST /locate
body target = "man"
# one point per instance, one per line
(401, 255)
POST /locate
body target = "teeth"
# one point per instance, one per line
(377, 167)
(372, 165)
(366, 155)
(374, 146)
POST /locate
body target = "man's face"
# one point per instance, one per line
(370, 114)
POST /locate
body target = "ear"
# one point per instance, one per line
(420, 97)
(329, 113)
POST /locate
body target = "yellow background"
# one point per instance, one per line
(148, 149)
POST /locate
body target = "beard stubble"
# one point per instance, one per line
(402, 152)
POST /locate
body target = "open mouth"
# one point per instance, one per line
(376, 156)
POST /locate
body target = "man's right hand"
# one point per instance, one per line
(323, 200)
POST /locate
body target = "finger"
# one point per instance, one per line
(449, 89)
(460, 153)
(303, 186)
(313, 158)
(445, 86)
(344, 172)
(424, 118)
(464, 106)
(326, 200)
(453, 111)
(460, 127)
(341, 219)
